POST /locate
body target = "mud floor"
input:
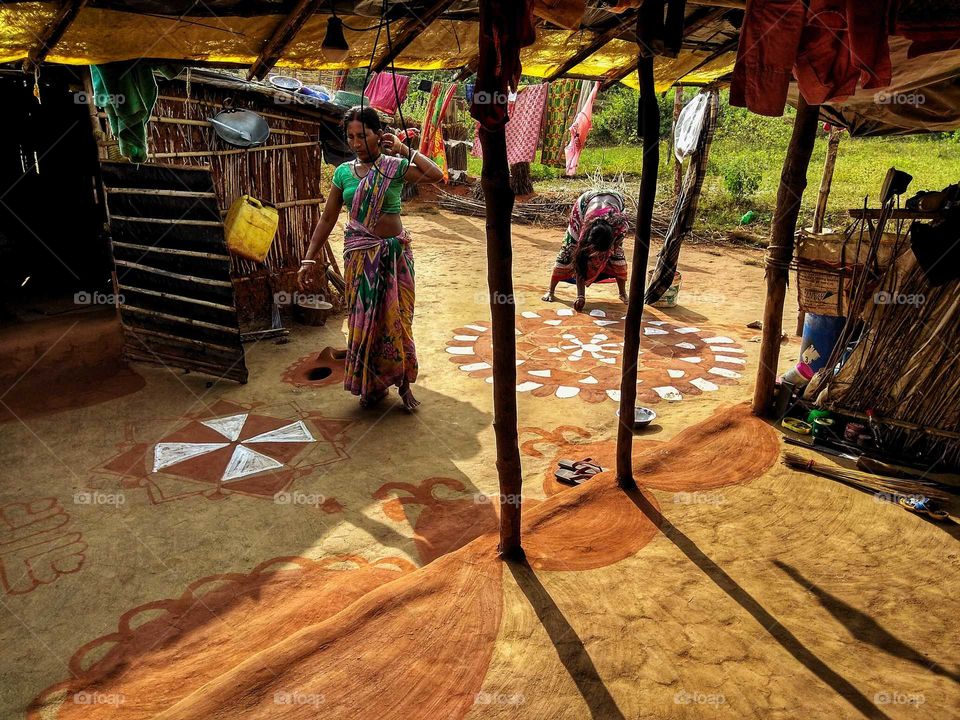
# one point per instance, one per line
(272, 550)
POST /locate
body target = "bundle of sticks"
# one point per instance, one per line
(899, 487)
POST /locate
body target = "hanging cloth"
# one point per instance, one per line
(387, 91)
(127, 92)
(523, 127)
(686, 208)
(579, 131)
(506, 26)
(561, 109)
(431, 140)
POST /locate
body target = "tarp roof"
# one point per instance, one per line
(600, 45)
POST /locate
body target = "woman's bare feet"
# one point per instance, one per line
(548, 297)
(579, 303)
(410, 403)
(623, 298)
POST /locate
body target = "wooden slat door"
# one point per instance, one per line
(176, 303)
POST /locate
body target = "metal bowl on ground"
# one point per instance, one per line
(310, 311)
(642, 416)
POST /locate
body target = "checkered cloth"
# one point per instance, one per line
(523, 128)
(561, 109)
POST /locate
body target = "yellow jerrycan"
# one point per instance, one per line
(250, 228)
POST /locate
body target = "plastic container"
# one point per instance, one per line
(748, 217)
(348, 99)
(820, 334)
(672, 296)
(250, 227)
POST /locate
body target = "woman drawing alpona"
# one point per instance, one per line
(378, 262)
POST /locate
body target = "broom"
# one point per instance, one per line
(866, 481)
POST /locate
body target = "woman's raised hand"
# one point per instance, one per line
(391, 144)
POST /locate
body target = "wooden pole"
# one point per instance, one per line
(832, 144)
(793, 181)
(282, 36)
(648, 115)
(677, 165)
(66, 13)
(495, 180)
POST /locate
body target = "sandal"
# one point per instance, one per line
(586, 466)
(923, 506)
(572, 477)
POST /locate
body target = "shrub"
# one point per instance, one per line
(740, 178)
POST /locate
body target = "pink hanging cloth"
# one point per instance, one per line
(386, 92)
(523, 128)
(579, 131)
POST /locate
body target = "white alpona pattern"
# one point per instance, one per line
(567, 354)
(229, 426)
(244, 461)
(166, 454)
(247, 462)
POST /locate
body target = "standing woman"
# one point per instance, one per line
(378, 262)
(592, 247)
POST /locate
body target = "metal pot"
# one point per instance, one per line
(243, 128)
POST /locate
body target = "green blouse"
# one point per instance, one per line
(346, 179)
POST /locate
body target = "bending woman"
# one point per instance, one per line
(378, 262)
(592, 248)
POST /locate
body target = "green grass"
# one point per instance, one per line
(760, 144)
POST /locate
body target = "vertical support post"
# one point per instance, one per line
(832, 144)
(793, 181)
(648, 115)
(677, 165)
(495, 180)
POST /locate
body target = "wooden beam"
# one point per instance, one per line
(281, 38)
(411, 30)
(48, 39)
(793, 181)
(648, 116)
(599, 40)
(695, 25)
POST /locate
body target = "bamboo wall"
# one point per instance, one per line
(290, 178)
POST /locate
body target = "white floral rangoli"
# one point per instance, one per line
(567, 354)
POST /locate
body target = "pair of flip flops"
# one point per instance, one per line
(923, 506)
(575, 472)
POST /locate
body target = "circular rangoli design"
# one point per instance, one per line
(568, 354)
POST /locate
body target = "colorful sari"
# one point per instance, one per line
(602, 264)
(380, 292)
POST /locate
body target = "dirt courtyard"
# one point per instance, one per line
(182, 549)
